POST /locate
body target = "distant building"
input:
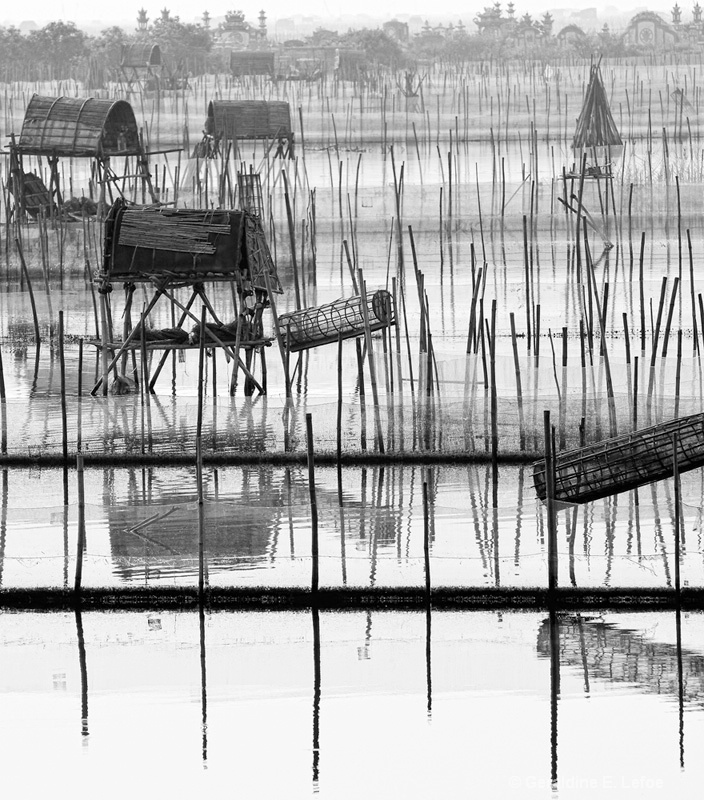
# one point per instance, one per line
(570, 34)
(396, 30)
(648, 29)
(691, 32)
(236, 33)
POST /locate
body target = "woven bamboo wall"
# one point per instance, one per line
(624, 462)
(249, 119)
(74, 126)
(312, 327)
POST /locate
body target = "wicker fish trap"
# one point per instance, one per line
(624, 462)
(311, 327)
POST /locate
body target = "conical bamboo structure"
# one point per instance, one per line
(595, 125)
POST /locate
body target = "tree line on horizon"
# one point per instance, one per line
(61, 50)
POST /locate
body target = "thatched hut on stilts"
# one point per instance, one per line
(74, 127)
(169, 249)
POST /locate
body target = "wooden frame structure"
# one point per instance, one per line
(172, 248)
(73, 127)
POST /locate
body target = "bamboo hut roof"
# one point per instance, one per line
(185, 246)
(140, 55)
(595, 125)
(75, 126)
(249, 119)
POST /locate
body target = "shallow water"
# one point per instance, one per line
(371, 704)
(142, 529)
(343, 705)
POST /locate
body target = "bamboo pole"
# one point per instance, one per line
(550, 503)
(62, 364)
(81, 540)
(310, 448)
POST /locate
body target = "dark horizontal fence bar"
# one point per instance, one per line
(223, 459)
(379, 598)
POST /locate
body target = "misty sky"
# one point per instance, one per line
(88, 11)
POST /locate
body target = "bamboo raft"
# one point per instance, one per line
(624, 462)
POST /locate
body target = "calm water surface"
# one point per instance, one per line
(347, 705)
(142, 528)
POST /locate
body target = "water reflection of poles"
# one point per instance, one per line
(583, 650)
(554, 692)
(340, 502)
(428, 671)
(680, 681)
(316, 697)
(81, 538)
(65, 481)
(426, 542)
(676, 475)
(203, 685)
(84, 672)
(3, 522)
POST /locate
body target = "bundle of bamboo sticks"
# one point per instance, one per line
(183, 233)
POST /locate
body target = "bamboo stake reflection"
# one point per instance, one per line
(680, 682)
(203, 686)
(316, 698)
(3, 522)
(84, 672)
(554, 693)
(428, 653)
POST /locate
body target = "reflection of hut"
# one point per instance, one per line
(140, 64)
(252, 62)
(238, 537)
(649, 29)
(231, 120)
(172, 248)
(618, 655)
(72, 127)
(153, 526)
